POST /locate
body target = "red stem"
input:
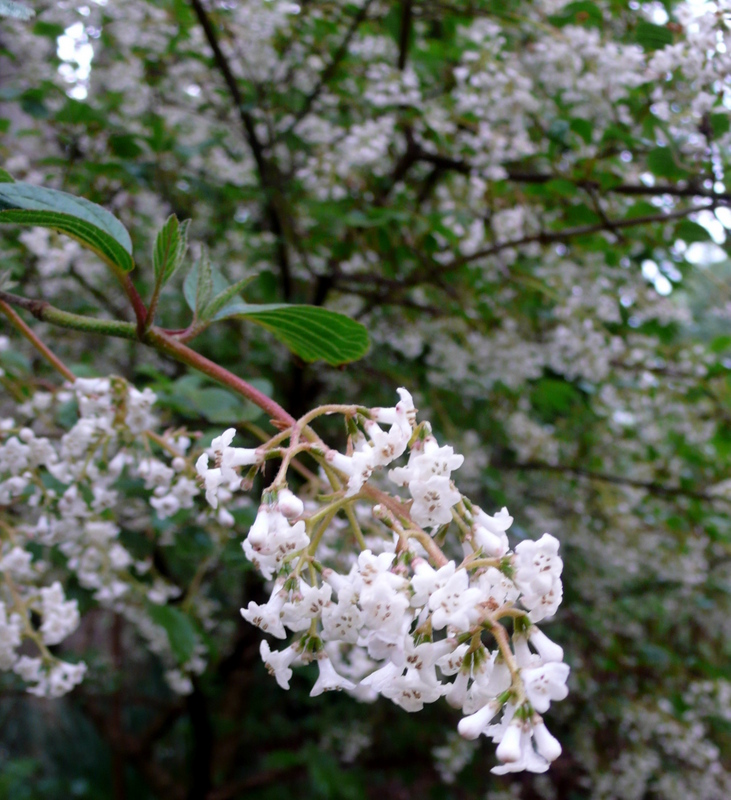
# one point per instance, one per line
(53, 359)
(181, 352)
(136, 301)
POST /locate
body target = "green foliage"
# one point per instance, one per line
(653, 37)
(312, 333)
(191, 399)
(171, 245)
(665, 164)
(90, 224)
(179, 628)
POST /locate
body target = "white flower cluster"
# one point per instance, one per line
(69, 491)
(384, 620)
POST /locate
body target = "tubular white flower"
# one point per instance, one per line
(512, 743)
(329, 680)
(473, 725)
(546, 743)
(547, 649)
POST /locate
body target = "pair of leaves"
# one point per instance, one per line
(311, 332)
(209, 295)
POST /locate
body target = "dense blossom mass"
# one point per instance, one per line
(527, 206)
(377, 619)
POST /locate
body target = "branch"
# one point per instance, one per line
(330, 69)
(582, 230)
(45, 312)
(157, 339)
(405, 33)
(267, 173)
(36, 342)
(631, 189)
(650, 486)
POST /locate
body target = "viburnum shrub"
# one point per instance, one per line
(389, 592)
(526, 207)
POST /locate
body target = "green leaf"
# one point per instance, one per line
(125, 146)
(200, 283)
(691, 232)
(225, 303)
(661, 162)
(313, 333)
(189, 398)
(720, 344)
(171, 244)
(178, 627)
(6, 177)
(720, 124)
(577, 14)
(561, 187)
(90, 224)
(652, 37)
(9, 8)
(221, 301)
(582, 128)
(51, 30)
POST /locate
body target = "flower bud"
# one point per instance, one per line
(509, 749)
(289, 504)
(546, 744)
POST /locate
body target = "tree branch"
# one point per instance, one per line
(52, 359)
(652, 487)
(268, 174)
(549, 237)
(405, 33)
(157, 339)
(331, 68)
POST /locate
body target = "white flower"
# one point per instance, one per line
(402, 415)
(342, 622)
(278, 662)
(386, 446)
(433, 501)
(411, 691)
(271, 539)
(310, 603)
(511, 745)
(385, 612)
(537, 564)
(357, 467)
(546, 744)
(546, 683)
(518, 755)
(426, 460)
(60, 617)
(489, 532)
(268, 616)
(426, 580)
(10, 637)
(547, 649)
(212, 479)
(289, 504)
(329, 680)
(454, 604)
(473, 725)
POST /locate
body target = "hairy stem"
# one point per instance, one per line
(52, 359)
